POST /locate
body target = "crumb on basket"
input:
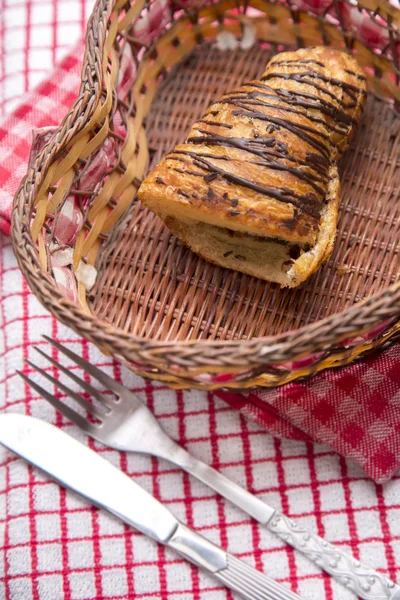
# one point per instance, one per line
(86, 274)
(249, 36)
(343, 269)
(226, 40)
(62, 256)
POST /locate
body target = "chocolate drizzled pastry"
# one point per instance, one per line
(257, 177)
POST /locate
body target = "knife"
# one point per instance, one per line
(80, 469)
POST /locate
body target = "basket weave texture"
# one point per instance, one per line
(150, 69)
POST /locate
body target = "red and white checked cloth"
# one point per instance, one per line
(54, 546)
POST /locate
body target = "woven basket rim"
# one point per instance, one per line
(383, 305)
(291, 338)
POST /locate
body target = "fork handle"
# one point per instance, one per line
(360, 579)
(224, 486)
(363, 581)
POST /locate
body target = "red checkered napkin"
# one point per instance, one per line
(43, 107)
(354, 410)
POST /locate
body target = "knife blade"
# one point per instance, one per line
(82, 470)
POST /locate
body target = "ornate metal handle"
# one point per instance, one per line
(364, 582)
(234, 573)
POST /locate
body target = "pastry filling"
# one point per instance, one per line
(294, 248)
(284, 252)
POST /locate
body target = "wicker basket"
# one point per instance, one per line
(149, 70)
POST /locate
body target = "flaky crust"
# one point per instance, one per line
(262, 162)
(263, 258)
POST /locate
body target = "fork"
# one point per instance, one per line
(125, 423)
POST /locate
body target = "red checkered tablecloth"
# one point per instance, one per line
(55, 546)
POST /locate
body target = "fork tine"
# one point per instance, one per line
(106, 380)
(78, 399)
(68, 412)
(84, 385)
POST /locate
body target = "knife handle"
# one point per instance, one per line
(363, 581)
(232, 572)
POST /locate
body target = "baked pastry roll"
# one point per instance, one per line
(255, 187)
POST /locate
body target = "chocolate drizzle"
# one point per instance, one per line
(289, 109)
(281, 95)
(351, 90)
(215, 123)
(309, 203)
(297, 61)
(357, 75)
(302, 131)
(288, 114)
(256, 147)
